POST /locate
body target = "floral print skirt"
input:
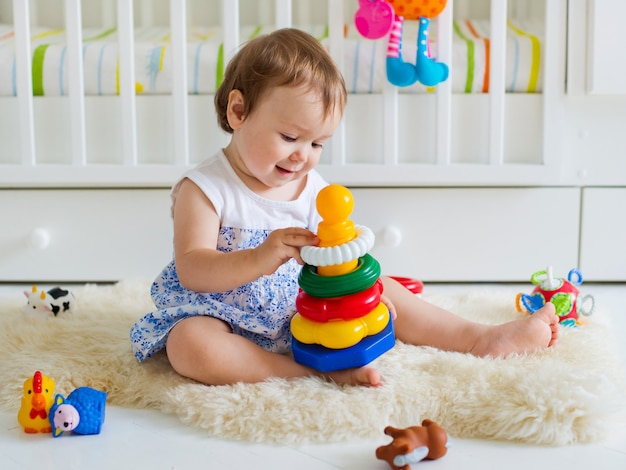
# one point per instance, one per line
(259, 311)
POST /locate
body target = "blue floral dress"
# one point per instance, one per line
(260, 310)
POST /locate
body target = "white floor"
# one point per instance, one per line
(149, 439)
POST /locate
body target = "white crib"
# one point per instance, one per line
(447, 177)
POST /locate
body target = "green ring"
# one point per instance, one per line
(363, 277)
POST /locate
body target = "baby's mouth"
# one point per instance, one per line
(285, 171)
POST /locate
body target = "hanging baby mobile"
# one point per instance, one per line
(376, 19)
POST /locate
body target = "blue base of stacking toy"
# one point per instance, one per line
(326, 359)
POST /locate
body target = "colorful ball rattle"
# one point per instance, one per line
(562, 293)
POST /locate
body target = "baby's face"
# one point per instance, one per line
(283, 138)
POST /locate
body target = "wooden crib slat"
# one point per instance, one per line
(230, 28)
(21, 21)
(336, 46)
(283, 14)
(178, 19)
(444, 89)
(335, 32)
(125, 25)
(497, 75)
(74, 35)
(553, 81)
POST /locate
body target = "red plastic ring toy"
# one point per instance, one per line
(414, 285)
(346, 307)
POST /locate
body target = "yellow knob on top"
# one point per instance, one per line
(335, 203)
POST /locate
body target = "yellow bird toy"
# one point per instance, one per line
(36, 403)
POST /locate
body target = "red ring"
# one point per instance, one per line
(345, 307)
(414, 285)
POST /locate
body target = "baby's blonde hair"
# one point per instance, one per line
(286, 57)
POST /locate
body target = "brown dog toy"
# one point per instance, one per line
(413, 444)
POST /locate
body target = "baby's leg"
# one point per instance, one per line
(205, 349)
(422, 323)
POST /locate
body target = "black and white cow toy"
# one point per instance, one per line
(51, 303)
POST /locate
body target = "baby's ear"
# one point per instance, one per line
(235, 109)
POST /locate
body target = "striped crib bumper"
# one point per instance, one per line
(364, 59)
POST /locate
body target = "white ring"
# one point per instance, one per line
(339, 254)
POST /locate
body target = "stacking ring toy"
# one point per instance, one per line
(414, 285)
(340, 334)
(339, 254)
(363, 277)
(346, 307)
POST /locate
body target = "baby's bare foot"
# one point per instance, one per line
(359, 376)
(538, 331)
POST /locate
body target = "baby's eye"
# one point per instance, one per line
(288, 138)
(317, 145)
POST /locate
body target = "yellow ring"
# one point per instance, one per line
(339, 334)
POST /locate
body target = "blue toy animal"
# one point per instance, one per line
(81, 412)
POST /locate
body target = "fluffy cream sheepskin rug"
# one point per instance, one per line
(571, 393)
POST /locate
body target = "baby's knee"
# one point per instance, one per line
(188, 341)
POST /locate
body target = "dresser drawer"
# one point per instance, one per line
(435, 234)
(471, 234)
(603, 240)
(83, 235)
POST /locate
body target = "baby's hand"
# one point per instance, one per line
(281, 245)
(392, 309)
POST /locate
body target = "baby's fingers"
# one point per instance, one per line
(390, 306)
(299, 237)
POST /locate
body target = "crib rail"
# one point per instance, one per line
(385, 139)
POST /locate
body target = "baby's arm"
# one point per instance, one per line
(202, 268)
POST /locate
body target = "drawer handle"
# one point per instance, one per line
(40, 238)
(391, 236)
